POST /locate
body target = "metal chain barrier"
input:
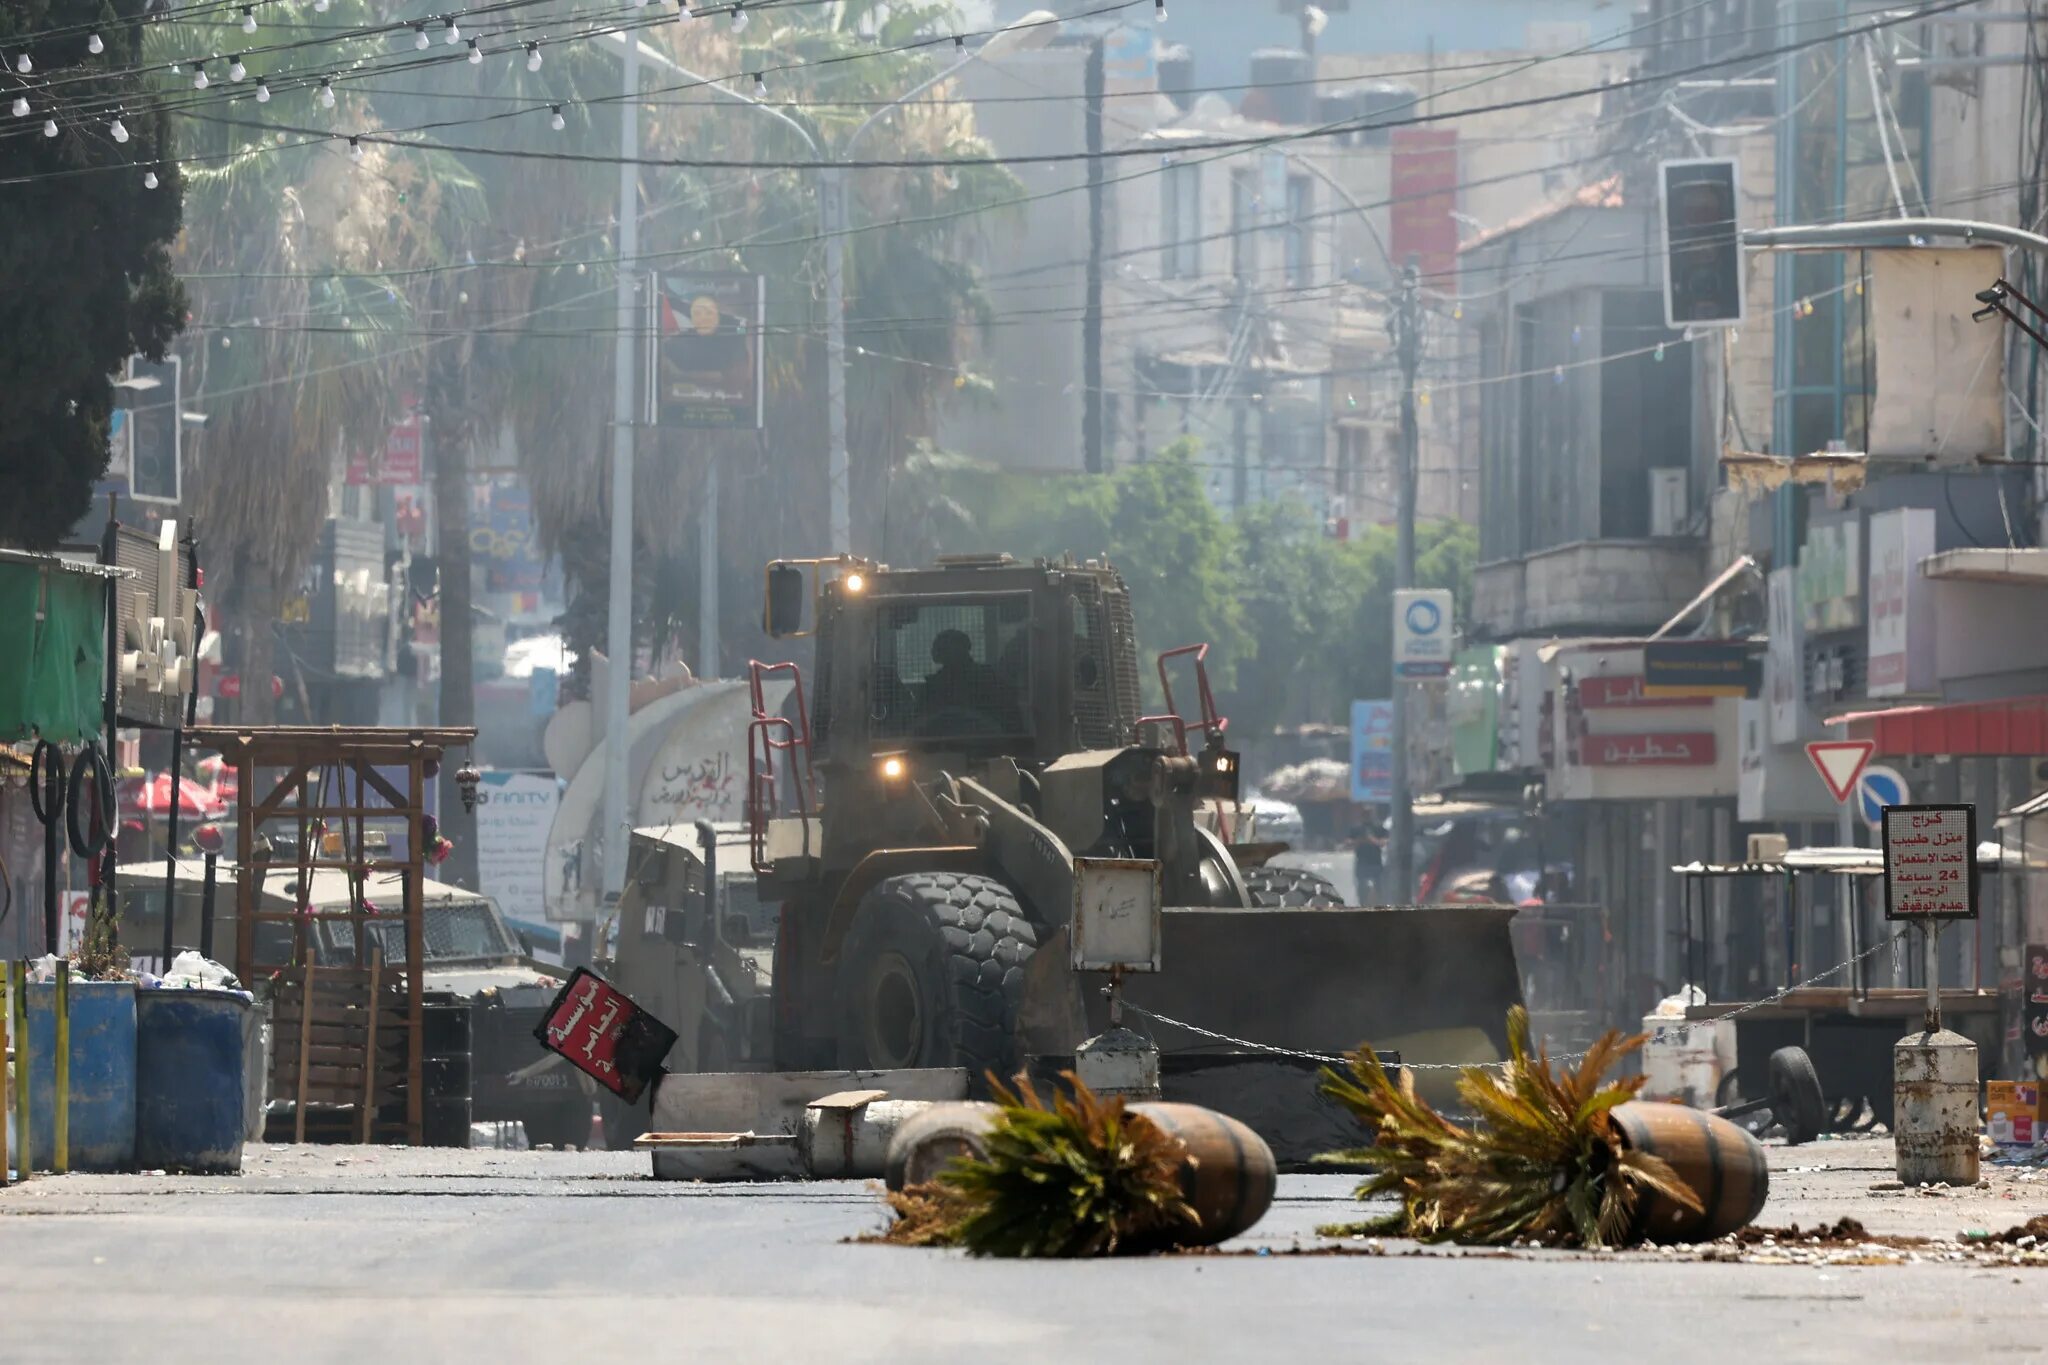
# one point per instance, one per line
(1661, 1033)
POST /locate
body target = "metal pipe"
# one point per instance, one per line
(619, 618)
(206, 904)
(6, 1106)
(1888, 232)
(170, 843)
(60, 1149)
(23, 1063)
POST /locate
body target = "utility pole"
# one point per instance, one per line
(619, 616)
(1406, 326)
(1091, 335)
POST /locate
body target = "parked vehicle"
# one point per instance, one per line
(472, 953)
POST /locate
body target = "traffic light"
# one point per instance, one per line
(1702, 245)
(155, 396)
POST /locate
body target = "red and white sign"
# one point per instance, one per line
(603, 1034)
(400, 462)
(1606, 693)
(1685, 750)
(1840, 762)
(1930, 868)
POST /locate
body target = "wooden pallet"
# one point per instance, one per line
(351, 1048)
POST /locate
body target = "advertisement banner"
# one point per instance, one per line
(708, 350)
(1423, 185)
(1474, 710)
(514, 811)
(1831, 577)
(502, 539)
(1701, 668)
(1372, 752)
(1901, 602)
(1785, 660)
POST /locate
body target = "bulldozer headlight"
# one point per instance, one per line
(855, 583)
(893, 768)
(1223, 764)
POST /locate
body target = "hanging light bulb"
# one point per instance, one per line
(23, 64)
(555, 119)
(118, 129)
(451, 32)
(248, 18)
(476, 54)
(49, 127)
(739, 18)
(95, 45)
(21, 106)
(683, 11)
(262, 90)
(355, 149)
(326, 93)
(1158, 11)
(149, 180)
(319, 6)
(760, 87)
(533, 56)
(236, 71)
(419, 36)
(199, 81)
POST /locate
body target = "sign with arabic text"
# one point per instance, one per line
(603, 1034)
(1930, 863)
(1690, 750)
(2034, 999)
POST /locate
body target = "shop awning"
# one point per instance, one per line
(2016, 727)
(53, 647)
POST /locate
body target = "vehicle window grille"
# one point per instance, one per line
(1095, 724)
(1123, 658)
(951, 670)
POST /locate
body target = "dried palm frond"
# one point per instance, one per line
(1080, 1176)
(1545, 1164)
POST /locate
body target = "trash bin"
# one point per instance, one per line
(190, 1082)
(102, 1117)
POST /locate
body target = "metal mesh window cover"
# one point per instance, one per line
(1095, 684)
(453, 930)
(953, 669)
(1123, 660)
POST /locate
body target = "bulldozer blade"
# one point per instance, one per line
(1431, 983)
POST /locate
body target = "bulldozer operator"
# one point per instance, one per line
(963, 689)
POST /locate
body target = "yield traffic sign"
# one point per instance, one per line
(1840, 762)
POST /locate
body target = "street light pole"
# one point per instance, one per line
(1407, 327)
(619, 616)
(1034, 30)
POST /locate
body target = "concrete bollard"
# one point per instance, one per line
(1934, 1091)
(1119, 1062)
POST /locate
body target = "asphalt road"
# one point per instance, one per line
(376, 1255)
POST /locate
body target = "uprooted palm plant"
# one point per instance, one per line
(1081, 1176)
(1546, 1163)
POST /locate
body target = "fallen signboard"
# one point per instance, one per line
(603, 1034)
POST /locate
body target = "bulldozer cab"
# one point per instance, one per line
(974, 657)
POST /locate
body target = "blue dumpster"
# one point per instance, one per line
(189, 1084)
(102, 1120)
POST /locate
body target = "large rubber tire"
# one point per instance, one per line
(931, 974)
(1291, 888)
(1796, 1099)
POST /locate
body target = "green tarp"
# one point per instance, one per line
(53, 651)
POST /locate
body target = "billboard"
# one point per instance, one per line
(1423, 184)
(1372, 752)
(514, 812)
(707, 355)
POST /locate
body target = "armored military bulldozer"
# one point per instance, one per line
(924, 817)
(922, 823)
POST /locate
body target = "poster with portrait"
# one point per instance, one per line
(707, 353)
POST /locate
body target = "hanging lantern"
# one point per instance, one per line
(467, 778)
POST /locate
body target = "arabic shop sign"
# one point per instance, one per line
(1930, 864)
(1831, 577)
(603, 1034)
(1685, 750)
